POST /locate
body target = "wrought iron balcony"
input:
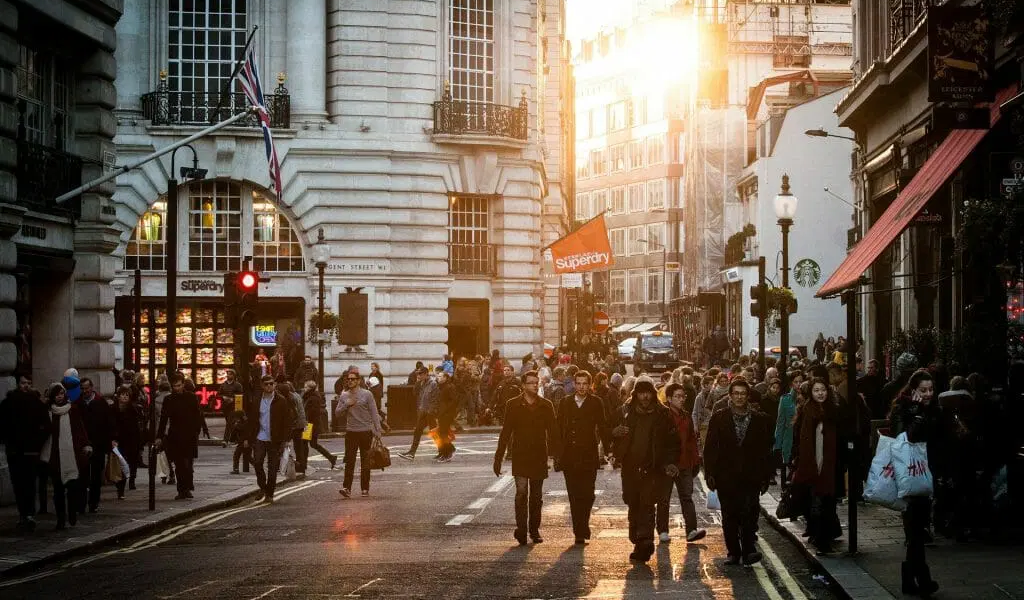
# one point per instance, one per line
(166, 107)
(904, 15)
(457, 117)
(45, 173)
(472, 259)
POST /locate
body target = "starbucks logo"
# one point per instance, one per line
(807, 272)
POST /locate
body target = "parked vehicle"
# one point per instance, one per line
(627, 348)
(655, 352)
(776, 353)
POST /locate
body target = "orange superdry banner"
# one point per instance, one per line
(586, 249)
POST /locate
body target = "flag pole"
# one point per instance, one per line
(591, 220)
(238, 67)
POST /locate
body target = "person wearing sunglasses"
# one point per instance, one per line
(357, 405)
(272, 419)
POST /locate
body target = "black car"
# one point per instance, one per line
(655, 352)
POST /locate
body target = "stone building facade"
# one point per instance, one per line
(420, 137)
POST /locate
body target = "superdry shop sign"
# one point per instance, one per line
(586, 249)
(961, 54)
(201, 287)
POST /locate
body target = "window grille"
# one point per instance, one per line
(275, 246)
(471, 50)
(215, 226)
(146, 248)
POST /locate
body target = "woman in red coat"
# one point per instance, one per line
(689, 466)
(66, 452)
(815, 453)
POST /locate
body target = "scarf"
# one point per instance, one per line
(66, 444)
(741, 422)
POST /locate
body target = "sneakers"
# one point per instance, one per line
(407, 455)
(366, 493)
(696, 535)
(664, 537)
(345, 492)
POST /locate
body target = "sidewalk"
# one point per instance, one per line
(116, 519)
(963, 570)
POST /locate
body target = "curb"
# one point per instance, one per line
(128, 530)
(833, 578)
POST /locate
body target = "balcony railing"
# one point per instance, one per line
(904, 15)
(166, 107)
(456, 117)
(45, 173)
(472, 259)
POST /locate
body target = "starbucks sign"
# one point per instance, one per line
(806, 272)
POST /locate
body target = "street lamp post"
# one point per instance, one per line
(785, 210)
(321, 254)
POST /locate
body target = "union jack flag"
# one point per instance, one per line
(249, 76)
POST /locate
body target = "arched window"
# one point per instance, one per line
(221, 221)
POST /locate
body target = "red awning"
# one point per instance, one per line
(935, 172)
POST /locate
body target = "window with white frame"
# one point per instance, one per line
(655, 150)
(275, 246)
(215, 226)
(583, 167)
(618, 200)
(672, 285)
(618, 156)
(204, 40)
(145, 249)
(601, 203)
(655, 194)
(636, 286)
(598, 162)
(582, 205)
(637, 199)
(469, 220)
(633, 236)
(617, 287)
(618, 241)
(44, 85)
(654, 290)
(471, 50)
(617, 116)
(655, 237)
(636, 154)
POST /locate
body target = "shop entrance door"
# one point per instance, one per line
(468, 327)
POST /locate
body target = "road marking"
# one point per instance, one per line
(191, 589)
(29, 578)
(780, 568)
(766, 582)
(353, 593)
(268, 592)
(289, 532)
(460, 520)
(500, 485)
(479, 503)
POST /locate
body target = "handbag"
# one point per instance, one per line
(307, 433)
(795, 502)
(379, 457)
(163, 467)
(112, 472)
(881, 486)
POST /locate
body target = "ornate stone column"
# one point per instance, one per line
(10, 214)
(307, 59)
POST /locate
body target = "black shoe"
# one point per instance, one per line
(926, 586)
(752, 559)
(60, 526)
(180, 497)
(73, 518)
(520, 537)
(334, 461)
(345, 492)
(581, 542)
(131, 484)
(188, 495)
(536, 539)
(92, 510)
(732, 560)
(235, 472)
(909, 585)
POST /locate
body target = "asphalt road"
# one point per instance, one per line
(426, 531)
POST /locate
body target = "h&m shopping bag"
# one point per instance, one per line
(910, 461)
(881, 486)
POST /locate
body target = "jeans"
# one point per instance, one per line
(301, 451)
(271, 453)
(683, 484)
(579, 485)
(92, 478)
(357, 440)
(23, 478)
(422, 420)
(243, 453)
(739, 522)
(529, 499)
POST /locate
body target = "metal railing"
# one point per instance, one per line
(472, 259)
(904, 15)
(457, 117)
(164, 107)
(45, 173)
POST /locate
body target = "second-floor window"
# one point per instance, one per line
(637, 201)
(637, 286)
(618, 200)
(215, 226)
(471, 50)
(618, 153)
(656, 194)
(44, 98)
(469, 220)
(205, 39)
(146, 249)
(636, 154)
(655, 150)
(617, 287)
(618, 241)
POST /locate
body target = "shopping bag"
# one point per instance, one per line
(910, 463)
(112, 472)
(379, 456)
(713, 502)
(125, 469)
(163, 467)
(881, 485)
(307, 433)
(795, 502)
(286, 467)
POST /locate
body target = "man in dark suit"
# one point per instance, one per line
(270, 416)
(178, 433)
(101, 429)
(530, 424)
(581, 422)
(737, 464)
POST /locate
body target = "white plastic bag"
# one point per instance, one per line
(125, 469)
(163, 467)
(713, 502)
(910, 462)
(287, 465)
(881, 486)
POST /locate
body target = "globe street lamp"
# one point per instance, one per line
(321, 254)
(785, 210)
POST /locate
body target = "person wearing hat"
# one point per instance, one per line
(906, 364)
(648, 449)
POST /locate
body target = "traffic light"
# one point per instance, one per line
(230, 300)
(247, 289)
(758, 301)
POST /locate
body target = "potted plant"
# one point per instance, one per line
(779, 298)
(327, 326)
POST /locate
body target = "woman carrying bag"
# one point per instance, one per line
(129, 436)
(914, 414)
(815, 463)
(66, 452)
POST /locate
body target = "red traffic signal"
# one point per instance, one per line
(247, 281)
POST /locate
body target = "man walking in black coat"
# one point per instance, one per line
(101, 429)
(270, 419)
(648, 448)
(737, 464)
(581, 423)
(178, 433)
(24, 426)
(529, 424)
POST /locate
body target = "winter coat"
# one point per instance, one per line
(921, 424)
(282, 418)
(305, 373)
(99, 422)
(784, 426)
(24, 422)
(822, 482)
(313, 403)
(427, 397)
(739, 468)
(180, 424)
(129, 436)
(580, 428)
(79, 436)
(533, 433)
(665, 445)
(689, 457)
(299, 422)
